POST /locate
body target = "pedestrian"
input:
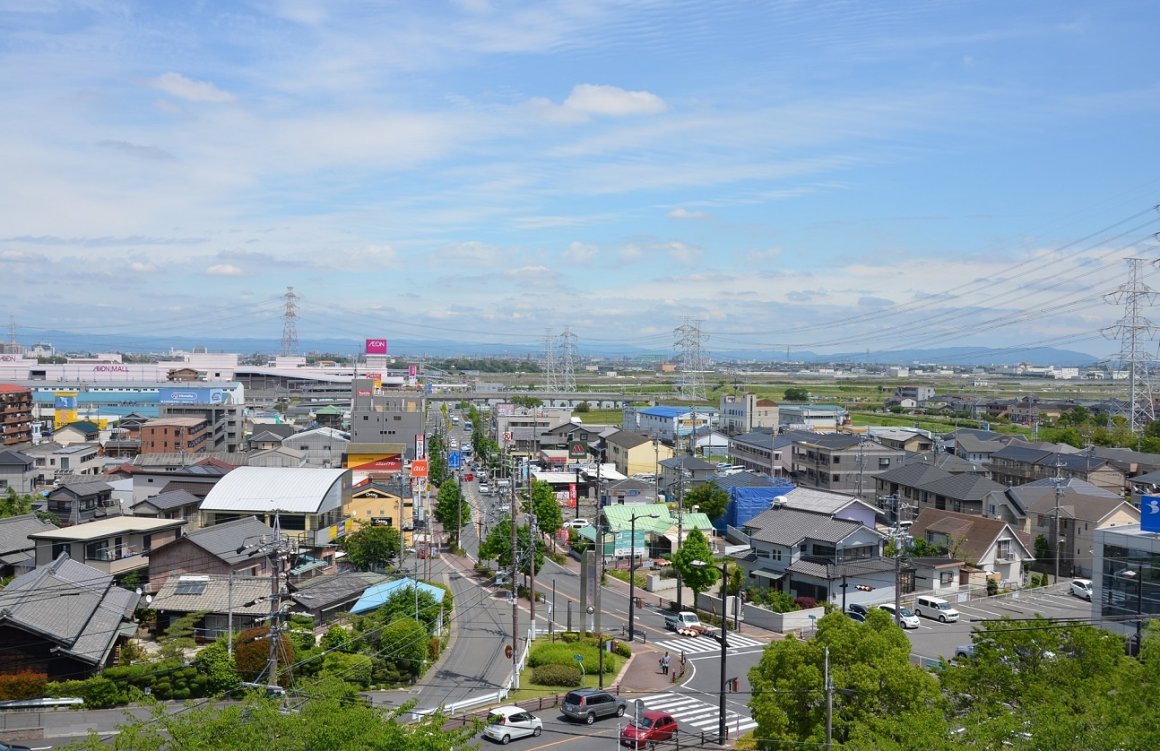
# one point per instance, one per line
(665, 664)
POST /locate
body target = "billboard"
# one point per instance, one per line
(65, 406)
(170, 395)
(419, 468)
(376, 346)
(1150, 513)
(413, 370)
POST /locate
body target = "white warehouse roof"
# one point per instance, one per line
(300, 490)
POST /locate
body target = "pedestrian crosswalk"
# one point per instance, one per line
(695, 645)
(692, 714)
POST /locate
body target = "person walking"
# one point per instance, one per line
(665, 664)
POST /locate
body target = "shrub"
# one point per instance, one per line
(622, 649)
(569, 637)
(25, 685)
(556, 675)
(782, 602)
(805, 603)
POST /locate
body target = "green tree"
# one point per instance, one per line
(451, 510)
(549, 517)
(403, 644)
(696, 548)
(410, 602)
(14, 504)
(527, 402)
(880, 701)
(797, 394)
(498, 547)
(710, 498)
(1042, 549)
(333, 718)
(372, 546)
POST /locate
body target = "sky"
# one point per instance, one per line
(787, 175)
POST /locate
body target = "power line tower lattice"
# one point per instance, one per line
(1134, 331)
(290, 323)
(568, 361)
(549, 361)
(691, 357)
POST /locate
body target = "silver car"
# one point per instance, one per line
(906, 619)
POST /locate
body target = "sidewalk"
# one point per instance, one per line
(642, 674)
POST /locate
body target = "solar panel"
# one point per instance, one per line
(190, 587)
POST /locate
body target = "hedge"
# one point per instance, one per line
(25, 685)
(556, 675)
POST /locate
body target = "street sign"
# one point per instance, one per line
(455, 459)
(1150, 513)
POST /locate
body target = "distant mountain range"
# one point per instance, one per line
(409, 349)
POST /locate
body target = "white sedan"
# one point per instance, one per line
(907, 619)
(510, 722)
(576, 523)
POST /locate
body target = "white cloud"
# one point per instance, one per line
(142, 268)
(613, 101)
(532, 273)
(761, 256)
(181, 87)
(224, 269)
(683, 213)
(579, 252)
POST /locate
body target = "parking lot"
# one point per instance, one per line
(933, 639)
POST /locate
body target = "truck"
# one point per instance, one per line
(684, 621)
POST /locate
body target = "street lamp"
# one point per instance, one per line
(632, 570)
(724, 623)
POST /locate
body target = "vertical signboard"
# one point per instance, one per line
(571, 495)
(413, 370)
(419, 468)
(65, 408)
(1150, 513)
(376, 346)
(420, 446)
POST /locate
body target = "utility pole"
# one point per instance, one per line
(900, 542)
(279, 549)
(828, 681)
(1058, 547)
(515, 572)
(680, 533)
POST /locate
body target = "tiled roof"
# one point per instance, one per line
(964, 487)
(328, 591)
(74, 605)
(1074, 483)
(912, 475)
(223, 540)
(217, 595)
(761, 439)
(691, 463)
(978, 533)
(1074, 505)
(785, 527)
(818, 501)
(266, 436)
(833, 440)
(79, 489)
(743, 480)
(169, 500)
(628, 439)
(10, 457)
(14, 532)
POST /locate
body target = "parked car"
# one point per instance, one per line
(576, 523)
(654, 726)
(935, 607)
(510, 722)
(591, 704)
(858, 608)
(484, 488)
(856, 617)
(1082, 588)
(964, 651)
(906, 619)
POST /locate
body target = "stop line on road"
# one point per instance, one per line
(692, 713)
(701, 644)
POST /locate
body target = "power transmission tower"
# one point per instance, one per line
(549, 361)
(691, 357)
(290, 323)
(1133, 331)
(568, 361)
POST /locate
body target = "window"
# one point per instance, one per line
(946, 578)
(883, 462)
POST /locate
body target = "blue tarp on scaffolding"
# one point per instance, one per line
(375, 597)
(747, 502)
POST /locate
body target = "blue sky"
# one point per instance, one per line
(831, 176)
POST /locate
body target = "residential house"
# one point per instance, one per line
(1080, 514)
(281, 456)
(224, 602)
(635, 453)
(1019, 463)
(117, 546)
(178, 503)
(214, 551)
(64, 619)
(15, 414)
(812, 555)
(915, 486)
(833, 505)
(745, 413)
(149, 479)
(654, 537)
(764, 452)
(84, 431)
(17, 471)
(630, 492)
(81, 502)
(265, 439)
(327, 597)
(992, 545)
(976, 446)
(17, 552)
(569, 432)
(841, 463)
(685, 472)
(912, 441)
(321, 447)
(306, 503)
(330, 416)
(673, 425)
(54, 461)
(820, 417)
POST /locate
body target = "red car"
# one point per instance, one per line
(654, 727)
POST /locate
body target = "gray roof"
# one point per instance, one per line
(327, 592)
(78, 489)
(215, 596)
(743, 480)
(820, 570)
(1074, 483)
(167, 500)
(787, 527)
(761, 438)
(223, 540)
(966, 487)
(942, 460)
(14, 532)
(265, 436)
(74, 605)
(1074, 505)
(819, 501)
(10, 457)
(627, 439)
(691, 463)
(912, 475)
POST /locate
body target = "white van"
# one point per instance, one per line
(935, 607)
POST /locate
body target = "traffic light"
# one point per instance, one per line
(863, 588)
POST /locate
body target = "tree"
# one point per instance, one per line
(498, 547)
(252, 651)
(881, 701)
(402, 648)
(797, 394)
(1042, 549)
(372, 546)
(695, 548)
(527, 402)
(451, 510)
(333, 718)
(549, 517)
(710, 498)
